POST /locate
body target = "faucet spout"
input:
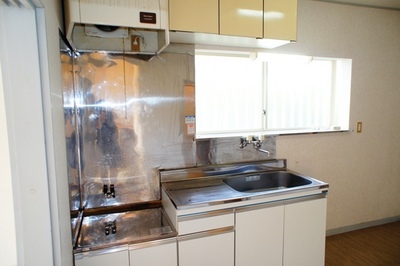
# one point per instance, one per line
(257, 145)
(262, 150)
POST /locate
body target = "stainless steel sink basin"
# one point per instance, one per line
(266, 181)
(233, 170)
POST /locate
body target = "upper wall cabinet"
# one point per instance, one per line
(261, 19)
(194, 16)
(241, 18)
(280, 19)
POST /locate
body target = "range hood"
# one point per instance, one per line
(117, 26)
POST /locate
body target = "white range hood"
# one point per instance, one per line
(117, 26)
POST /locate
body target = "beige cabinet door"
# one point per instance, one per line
(280, 19)
(194, 15)
(241, 18)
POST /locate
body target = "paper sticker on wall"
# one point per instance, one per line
(190, 122)
(189, 108)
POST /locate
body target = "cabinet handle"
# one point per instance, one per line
(204, 215)
(212, 232)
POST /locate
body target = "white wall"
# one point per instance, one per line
(53, 112)
(26, 140)
(363, 169)
(40, 234)
(8, 242)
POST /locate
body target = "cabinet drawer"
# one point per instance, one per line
(215, 249)
(103, 259)
(203, 222)
(142, 254)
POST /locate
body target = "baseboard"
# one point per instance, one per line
(349, 228)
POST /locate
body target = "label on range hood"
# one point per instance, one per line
(147, 17)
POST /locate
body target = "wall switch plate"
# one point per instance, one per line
(359, 127)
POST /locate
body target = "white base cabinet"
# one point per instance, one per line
(304, 237)
(200, 250)
(145, 255)
(120, 258)
(159, 252)
(206, 239)
(279, 231)
(290, 234)
(259, 236)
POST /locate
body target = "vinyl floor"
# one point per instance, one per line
(378, 245)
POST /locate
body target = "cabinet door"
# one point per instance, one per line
(120, 258)
(162, 254)
(194, 15)
(259, 236)
(304, 239)
(207, 250)
(241, 18)
(280, 19)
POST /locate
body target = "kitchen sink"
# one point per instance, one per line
(233, 170)
(266, 181)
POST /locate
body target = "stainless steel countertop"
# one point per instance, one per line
(131, 227)
(203, 192)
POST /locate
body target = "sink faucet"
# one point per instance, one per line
(257, 146)
(257, 143)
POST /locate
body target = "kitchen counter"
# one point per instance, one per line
(213, 191)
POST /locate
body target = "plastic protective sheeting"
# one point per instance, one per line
(123, 121)
(126, 118)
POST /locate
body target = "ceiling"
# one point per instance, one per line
(387, 4)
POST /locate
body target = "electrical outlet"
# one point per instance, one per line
(359, 127)
(135, 43)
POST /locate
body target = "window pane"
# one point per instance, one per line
(299, 95)
(228, 94)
